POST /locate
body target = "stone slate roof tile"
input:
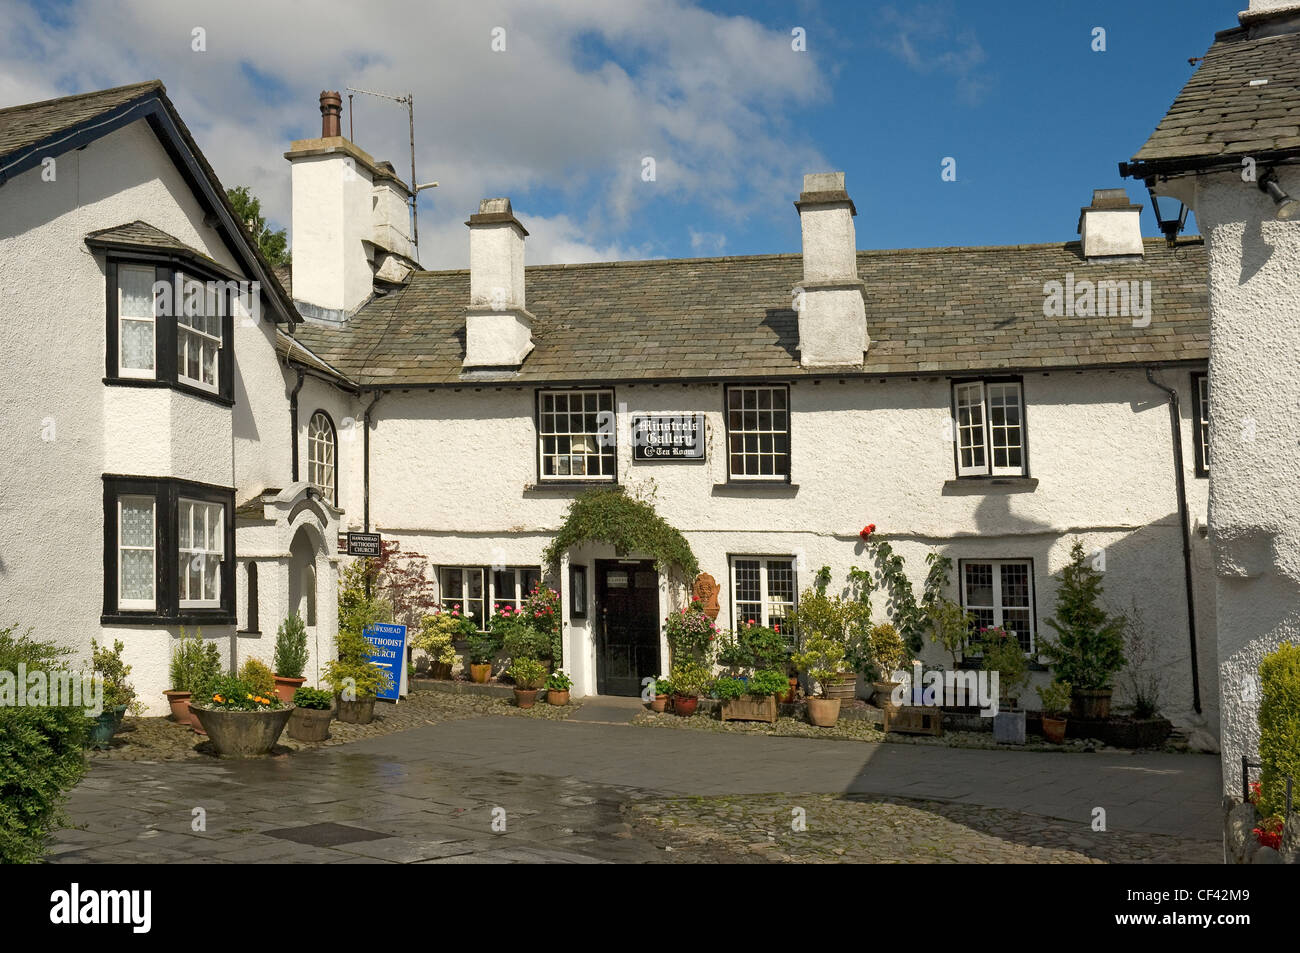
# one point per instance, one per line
(24, 126)
(1219, 115)
(931, 310)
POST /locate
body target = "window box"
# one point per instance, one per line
(168, 552)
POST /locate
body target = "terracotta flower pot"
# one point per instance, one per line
(525, 697)
(659, 703)
(243, 734)
(1054, 729)
(823, 712)
(180, 702)
(285, 687)
(359, 712)
(480, 673)
(310, 724)
(558, 698)
(789, 697)
(685, 705)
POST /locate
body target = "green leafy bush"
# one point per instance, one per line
(690, 679)
(768, 682)
(663, 685)
(1002, 654)
(484, 647)
(258, 676)
(558, 681)
(352, 674)
(291, 647)
(765, 646)
(520, 638)
(728, 688)
(822, 658)
(528, 674)
(114, 673)
(314, 698)
(1055, 698)
(692, 635)
(1279, 726)
(1090, 649)
(888, 651)
(194, 663)
(437, 635)
(609, 515)
(41, 754)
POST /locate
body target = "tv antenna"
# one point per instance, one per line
(409, 101)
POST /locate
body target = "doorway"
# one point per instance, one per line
(627, 636)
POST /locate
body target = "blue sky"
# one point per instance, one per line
(562, 119)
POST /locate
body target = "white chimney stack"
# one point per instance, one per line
(831, 300)
(1111, 226)
(498, 327)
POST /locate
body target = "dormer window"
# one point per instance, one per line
(170, 325)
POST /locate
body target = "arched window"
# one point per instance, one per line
(322, 446)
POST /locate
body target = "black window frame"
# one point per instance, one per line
(1016, 379)
(166, 493)
(166, 373)
(1200, 408)
(789, 434)
(568, 479)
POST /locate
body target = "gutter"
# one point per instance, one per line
(1176, 429)
(365, 452)
(293, 421)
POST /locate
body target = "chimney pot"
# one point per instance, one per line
(331, 109)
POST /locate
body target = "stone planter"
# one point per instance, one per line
(823, 712)
(750, 708)
(685, 705)
(1090, 702)
(285, 687)
(659, 703)
(844, 688)
(1009, 727)
(883, 693)
(1054, 730)
(480, 673)
(310, 724)
(525, 697)
(359, 712)
(180, 702)
(557, 698)
(243, 734)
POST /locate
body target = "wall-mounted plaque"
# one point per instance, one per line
(668, 437)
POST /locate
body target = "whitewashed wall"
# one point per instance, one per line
(52, 326)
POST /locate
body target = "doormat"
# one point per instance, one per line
(325, 834)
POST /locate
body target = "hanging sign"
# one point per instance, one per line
(668, 437)
(364, 544)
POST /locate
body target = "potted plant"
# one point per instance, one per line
(1002, 654)
(112, 673)
(691, 634)
(1056, 699)
(663, 688)
(558, 684)
(355, 679)
(888, 655)
(753, 699)
(258, 675)
(819, 617)
(528, 675)
(822, 659)
(312, 711)
(436, 638)
(1089, 649)
(690, 679)
(239, 720)
(194, 663)
(483, 650)
(290, 656)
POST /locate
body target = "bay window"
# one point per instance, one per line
(168, 551)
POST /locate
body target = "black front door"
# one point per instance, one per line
(627, 607)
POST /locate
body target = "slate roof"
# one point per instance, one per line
(140, 234)
(936, 310)
(1220, 116)
(47, 128)
(296, 352)
(24, 126)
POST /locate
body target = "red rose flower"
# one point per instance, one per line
(867, 530)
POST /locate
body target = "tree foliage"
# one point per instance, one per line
(608, 515)
(274, 245)
(1090, 647)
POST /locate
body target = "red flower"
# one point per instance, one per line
(867, 530)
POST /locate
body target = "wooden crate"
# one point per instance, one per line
(913, 720)
(749, 708)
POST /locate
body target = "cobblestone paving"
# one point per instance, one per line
(858, 730)
(161, 739)
(870, 829)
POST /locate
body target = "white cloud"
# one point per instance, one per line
(560, 120)
(926, 39)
